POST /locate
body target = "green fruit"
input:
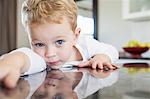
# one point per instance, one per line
(133, 43)
(136, 43)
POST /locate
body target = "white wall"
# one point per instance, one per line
(116, 31)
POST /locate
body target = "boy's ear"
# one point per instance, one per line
(77, 32)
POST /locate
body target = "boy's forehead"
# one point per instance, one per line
(61, 20)
(50, 26)
(47, 27)
(55, 30)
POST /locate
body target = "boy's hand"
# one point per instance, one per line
(100, 61)
(21, 91)
(97, 72)
(11, 66)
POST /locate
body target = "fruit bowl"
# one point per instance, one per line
(136, 52)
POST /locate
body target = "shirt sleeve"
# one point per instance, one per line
(37, 63)
(95, 47)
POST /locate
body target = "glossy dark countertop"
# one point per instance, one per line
(83, 83)
(133, 82)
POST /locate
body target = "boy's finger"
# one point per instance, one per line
(11, 79)
(100, 66)
(115, 66)
(94, 65)
(109, 65)
(84, 64)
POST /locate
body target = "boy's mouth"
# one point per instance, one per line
(54, 64)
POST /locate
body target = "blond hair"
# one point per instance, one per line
(53, 11)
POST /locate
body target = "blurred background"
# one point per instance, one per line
(111, 21)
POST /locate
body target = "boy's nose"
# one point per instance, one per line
(50, 52)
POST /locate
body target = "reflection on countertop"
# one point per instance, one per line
(130, 81)
(61, 84)
(133, 82)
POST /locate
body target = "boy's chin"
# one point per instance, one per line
(54, 67)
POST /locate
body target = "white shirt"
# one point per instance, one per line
(87, 47)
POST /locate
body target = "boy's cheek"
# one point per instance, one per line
(65, 53)
(65, 56)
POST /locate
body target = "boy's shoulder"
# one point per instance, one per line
(83, 40)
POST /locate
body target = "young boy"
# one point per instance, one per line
(54, 37)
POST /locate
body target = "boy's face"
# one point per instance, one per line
(54, 42)
(56, 85)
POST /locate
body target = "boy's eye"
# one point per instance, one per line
(59, 42)
(39, 44)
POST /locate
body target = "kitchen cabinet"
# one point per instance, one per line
(136, 10)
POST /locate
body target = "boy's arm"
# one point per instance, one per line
(100, 55)
(11, 66)
(21, 61)
(37, 63)
(95, 47)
